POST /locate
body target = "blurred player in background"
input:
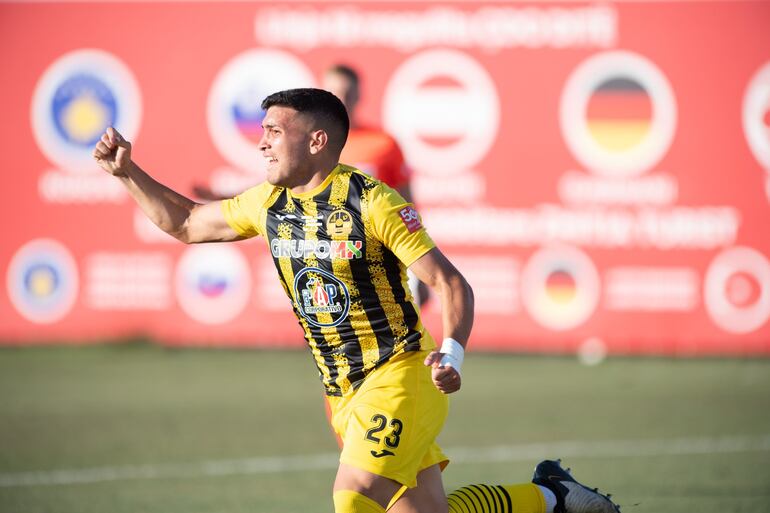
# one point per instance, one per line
(341, 241)
(370, 149)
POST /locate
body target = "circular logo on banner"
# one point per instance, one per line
(323, 300)
(234, 112)
(443, 107)
(737, 290)
(213, 283)
(618, 114)
(43, 281)
(76, 99)
(756, 116)
(560, 287)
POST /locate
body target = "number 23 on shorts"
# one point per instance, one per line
(387, 430)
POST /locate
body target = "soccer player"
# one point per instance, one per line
(341, 241)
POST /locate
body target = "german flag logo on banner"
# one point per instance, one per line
(619, 114)
(560, 287)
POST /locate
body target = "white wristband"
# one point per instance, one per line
(453, 354)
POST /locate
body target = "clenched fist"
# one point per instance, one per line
(113, 153)
(445, 377)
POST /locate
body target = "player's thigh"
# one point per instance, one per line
(390, 426)
(427, 497)
(378, 488)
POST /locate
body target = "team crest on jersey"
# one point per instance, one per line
(322, 299)
(339, 224)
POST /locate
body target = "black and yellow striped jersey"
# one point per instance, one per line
(341, 251)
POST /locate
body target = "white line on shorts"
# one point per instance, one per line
(492, 454)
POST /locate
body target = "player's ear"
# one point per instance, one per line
(318, 141)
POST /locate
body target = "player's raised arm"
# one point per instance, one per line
(456, 298)
(173, 213)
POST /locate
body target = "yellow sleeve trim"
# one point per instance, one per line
(245, 212)
(398, 225)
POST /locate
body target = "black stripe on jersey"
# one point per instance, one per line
(367, 294)
(370, 301)
(411, 318)
(271, 227)
(356, 186)
(316, 332)
(278, 208)
(297, 233)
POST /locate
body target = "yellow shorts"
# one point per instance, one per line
(390, 423)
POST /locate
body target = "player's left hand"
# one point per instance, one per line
(445, 377)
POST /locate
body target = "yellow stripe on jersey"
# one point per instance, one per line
(390, 223)
(240, 213)
(341, 268)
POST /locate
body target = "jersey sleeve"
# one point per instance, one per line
(398, 225)
(245, 213)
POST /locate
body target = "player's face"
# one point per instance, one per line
(285, 145)
(343, 88)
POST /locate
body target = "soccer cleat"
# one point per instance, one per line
(571, 496)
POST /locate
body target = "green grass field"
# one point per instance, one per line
(138, 428)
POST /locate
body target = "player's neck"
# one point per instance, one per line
(314, 180)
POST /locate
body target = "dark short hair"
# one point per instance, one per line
(326, 108)
(347, 72)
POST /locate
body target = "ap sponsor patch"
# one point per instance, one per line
(322, 299)
(410, 218)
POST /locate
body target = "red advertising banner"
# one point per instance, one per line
(600, 172)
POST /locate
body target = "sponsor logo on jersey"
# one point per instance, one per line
(382, 453)
(310, 224)
(322, 299)
(410, 218)
(339, 224)
(43, 281)
(320, 249)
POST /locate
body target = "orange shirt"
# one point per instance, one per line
(376, 153)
